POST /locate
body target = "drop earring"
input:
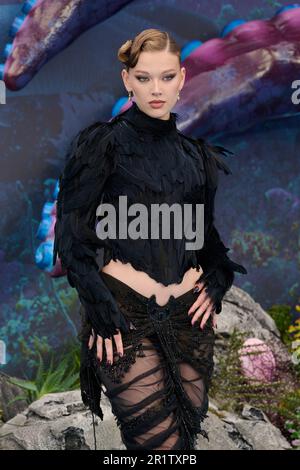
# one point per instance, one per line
(178, 96)
(130, 95)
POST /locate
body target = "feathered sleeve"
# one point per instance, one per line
(218, 269)
(90, 161)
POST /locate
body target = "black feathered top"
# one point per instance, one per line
(149, 161)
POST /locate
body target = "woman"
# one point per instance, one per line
(148, 314)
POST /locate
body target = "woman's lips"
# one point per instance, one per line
(156, 104)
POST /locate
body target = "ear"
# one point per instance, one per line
(183, 72)
(125, 78)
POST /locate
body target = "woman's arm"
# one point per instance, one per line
(218, 269)
(91, 159)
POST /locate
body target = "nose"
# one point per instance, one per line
(156, 89)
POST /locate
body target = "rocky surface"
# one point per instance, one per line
(59, 421)
(241, 312)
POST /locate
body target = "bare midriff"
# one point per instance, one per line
(145, 285)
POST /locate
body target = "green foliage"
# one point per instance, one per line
(294, 331)
(290, 333)
(59, 375)
(279, 399)
(293, 427)
(282, 316)
(229, 385)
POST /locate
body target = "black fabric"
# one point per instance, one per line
(146, 124)
(149, 161)
(146, 176)
(91, 158)
(159, 389)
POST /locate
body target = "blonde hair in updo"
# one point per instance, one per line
(148, 40)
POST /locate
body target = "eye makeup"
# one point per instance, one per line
(142, 78)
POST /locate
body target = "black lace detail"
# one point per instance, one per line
(161, 342)
(121, 365)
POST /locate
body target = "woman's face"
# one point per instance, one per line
(156, 76)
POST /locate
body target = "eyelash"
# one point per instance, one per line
(167, 76)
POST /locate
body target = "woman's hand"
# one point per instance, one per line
(205, 304)
(108, 346)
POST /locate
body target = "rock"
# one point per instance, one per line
(241, 312)
(251, 431)
(59, 421)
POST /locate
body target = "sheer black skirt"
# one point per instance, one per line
(158, 390)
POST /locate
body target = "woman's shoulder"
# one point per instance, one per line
(91, 150)
(189, 144)
(210, 155)
(207, 151)
(93, 141)
(95, 130)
